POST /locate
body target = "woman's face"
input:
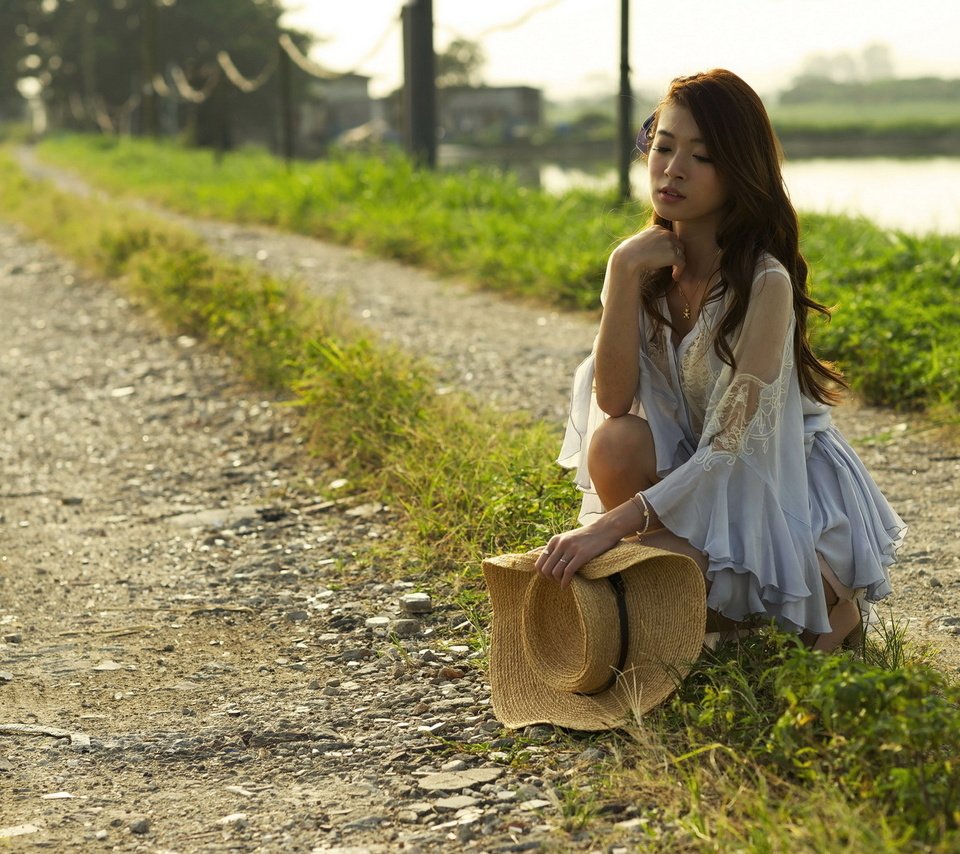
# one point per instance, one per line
(684, 184)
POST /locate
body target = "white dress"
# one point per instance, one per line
(754, 474)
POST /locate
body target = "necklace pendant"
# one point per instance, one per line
(686, 312)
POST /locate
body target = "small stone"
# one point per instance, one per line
(140, 826)
(526, 792)
(356, 654)
(405, 627)
(935, 582)
(101, 835)
(71, 500)
(454, 765)
(366, 823)
(457, 802)
(107, 665)
(505, 795)
(297, 616)
(377, 622)
(539, 732)
(6, 676)
(237, 819)
(456, 780)
(535, 804)
(15, 638)
(592, 754)
(416, 603)
(451, 673)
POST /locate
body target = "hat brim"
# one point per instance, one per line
(666, 602)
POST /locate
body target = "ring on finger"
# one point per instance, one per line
(564, 560)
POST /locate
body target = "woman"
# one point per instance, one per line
(701, 421)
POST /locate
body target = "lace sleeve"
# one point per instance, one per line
(744, 411)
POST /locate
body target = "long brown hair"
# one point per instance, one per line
(758, 217)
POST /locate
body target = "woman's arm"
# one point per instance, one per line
(618, 343)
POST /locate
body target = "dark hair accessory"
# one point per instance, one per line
(643, 141)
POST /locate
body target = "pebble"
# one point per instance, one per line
(405, 627)
(140, 826)
(457, 802)
(14, 638)
(416, 603)
(454, 780)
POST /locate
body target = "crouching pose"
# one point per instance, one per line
(701, 420)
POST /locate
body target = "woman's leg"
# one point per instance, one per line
(842, 607)
(622, 461)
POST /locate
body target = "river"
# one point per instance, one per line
(918, 196)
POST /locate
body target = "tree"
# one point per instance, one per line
(96, 61)
(460, 64)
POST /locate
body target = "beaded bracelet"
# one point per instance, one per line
(643, 506)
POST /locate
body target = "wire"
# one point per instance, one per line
(303, 62)
(510, 25)
(238, 80)
(187, 92)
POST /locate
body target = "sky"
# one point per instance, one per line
(571, 47)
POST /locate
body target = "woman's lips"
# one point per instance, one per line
(668, 194)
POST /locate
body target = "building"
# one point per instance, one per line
(489, 113)
(332, 107)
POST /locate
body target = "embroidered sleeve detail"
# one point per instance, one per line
(747, 416)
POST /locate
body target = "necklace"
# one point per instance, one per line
(686, 303)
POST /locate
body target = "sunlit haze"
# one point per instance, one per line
(570, 47)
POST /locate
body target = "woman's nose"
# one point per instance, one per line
(674, 168)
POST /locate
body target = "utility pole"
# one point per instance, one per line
(286, 105)
(149, 96)
(419, 82)
(625, 140)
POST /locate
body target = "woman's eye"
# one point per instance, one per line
(703, 158)
(660, 148)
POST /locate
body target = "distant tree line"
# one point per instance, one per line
(148, 65)
(811, 89)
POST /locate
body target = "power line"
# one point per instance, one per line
(514, 24)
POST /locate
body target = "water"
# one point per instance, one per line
(917, 196)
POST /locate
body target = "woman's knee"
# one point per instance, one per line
(621, 444)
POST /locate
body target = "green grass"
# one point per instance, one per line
(768, 747)
(895, 330)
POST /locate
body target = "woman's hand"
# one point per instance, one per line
(567, 553)
(651, 249)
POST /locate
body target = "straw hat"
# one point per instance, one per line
(615, 643)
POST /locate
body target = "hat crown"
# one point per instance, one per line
(571, 637)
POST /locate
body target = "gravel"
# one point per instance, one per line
(192, 624)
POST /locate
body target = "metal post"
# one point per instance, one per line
(625, 140)
(150, 112)
(286, 105)
(419, 82)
